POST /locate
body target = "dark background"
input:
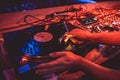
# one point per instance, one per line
(7, 6)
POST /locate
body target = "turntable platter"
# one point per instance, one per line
(43, 37)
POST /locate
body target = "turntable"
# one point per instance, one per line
(38, 40)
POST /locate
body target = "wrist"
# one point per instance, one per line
(79, 61)
(92, 37)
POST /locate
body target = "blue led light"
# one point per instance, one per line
(22, 5)
(86, 1)
(24, 68)
(23, 10)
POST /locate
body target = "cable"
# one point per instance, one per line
(98, 12)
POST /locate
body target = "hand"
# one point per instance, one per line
(65, 60)
(80, 34)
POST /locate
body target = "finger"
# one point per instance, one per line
(72, 34)
(57, 54)
(68, 34)
(50, 64)
(50, 70)
(76, 29)
(43, 72)
(46, 71)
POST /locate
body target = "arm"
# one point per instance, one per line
(97, 71)
(67, 60)
(111, 38)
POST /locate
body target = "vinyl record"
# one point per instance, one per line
(36, 40)
(43, 36)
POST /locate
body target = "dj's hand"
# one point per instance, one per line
(64, 60)
(80, 34)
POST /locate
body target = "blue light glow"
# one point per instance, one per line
(23, 10)
(31, 48)
(24, 68)
(86, 1)
(8, 9)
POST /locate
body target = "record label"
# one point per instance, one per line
(43, 37)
